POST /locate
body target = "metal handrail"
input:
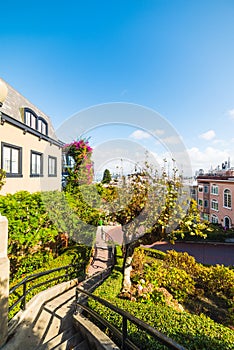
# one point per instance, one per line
(79, 268)
(126, 316)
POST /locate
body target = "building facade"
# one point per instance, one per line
(30, 152)
(216, 197)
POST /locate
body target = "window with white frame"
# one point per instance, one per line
(206, 203)
(200, 189)
(214, 219)
(11, 160)
(35, 122)
(200, 202)
(42, 126)
(214, 189)
(52, 166)
(30, 119)
(36, 164)
(214, 204)
(206, 189)
(227, 199)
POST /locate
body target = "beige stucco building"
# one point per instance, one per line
(30, 152)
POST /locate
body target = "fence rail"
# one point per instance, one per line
(122, 336)
(23, 288)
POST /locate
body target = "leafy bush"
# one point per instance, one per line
(29, 226)
(217, 279)
(154, 253)
(74, 255)
(2, 178)
(35, 222)
(192, 331)
(183, 261)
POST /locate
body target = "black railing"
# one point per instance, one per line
(122, 336)
(26, 286)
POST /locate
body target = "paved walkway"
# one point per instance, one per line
(44, 321)
(101, 259)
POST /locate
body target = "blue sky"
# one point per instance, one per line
(173, 56)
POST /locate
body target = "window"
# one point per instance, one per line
(214, 219)
(214, 204)
(36, 164)
(52, 166)
(214, 189)
(206, 189)
(200, 189)
(227, 199)
(206, 203)
(30, 119)
(42, 126)
(200, 202)
(227, 222)
(35, 122)
(11, 160)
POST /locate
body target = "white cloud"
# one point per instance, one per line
(172, 140)
(205, 159)
(140, 135)
(159, 132)
(231, 113)
(209, 135)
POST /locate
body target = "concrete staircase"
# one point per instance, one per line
(67, 339)
(48, 321)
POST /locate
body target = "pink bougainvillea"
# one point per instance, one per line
(81, 152)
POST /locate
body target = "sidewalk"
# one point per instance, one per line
(101, 259)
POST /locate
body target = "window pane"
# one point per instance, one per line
(27, 118)
(38, 164)
(52, 166)
(33, 122)
(14, 162)
(34, 163)
(7, 159)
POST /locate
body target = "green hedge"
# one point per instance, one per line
(70, 256)
(192, 331)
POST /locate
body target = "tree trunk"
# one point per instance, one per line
(127, 268)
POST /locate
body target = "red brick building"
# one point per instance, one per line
(216, 197)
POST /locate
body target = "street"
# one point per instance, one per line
(205, 253)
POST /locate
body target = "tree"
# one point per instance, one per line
(106, 177)
(149, 206)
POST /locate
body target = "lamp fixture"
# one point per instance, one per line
(3, 92)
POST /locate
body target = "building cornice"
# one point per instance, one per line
(26, 129)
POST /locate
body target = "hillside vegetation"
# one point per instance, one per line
(178, 297)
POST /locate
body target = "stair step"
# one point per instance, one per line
(74, 342)
(60, 338)
(82, 346)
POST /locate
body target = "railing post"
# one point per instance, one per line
(24, 294)
(78, 299)
(4, 279)
(124, 332)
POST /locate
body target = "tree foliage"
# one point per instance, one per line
(106, 177)
(150, 206)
